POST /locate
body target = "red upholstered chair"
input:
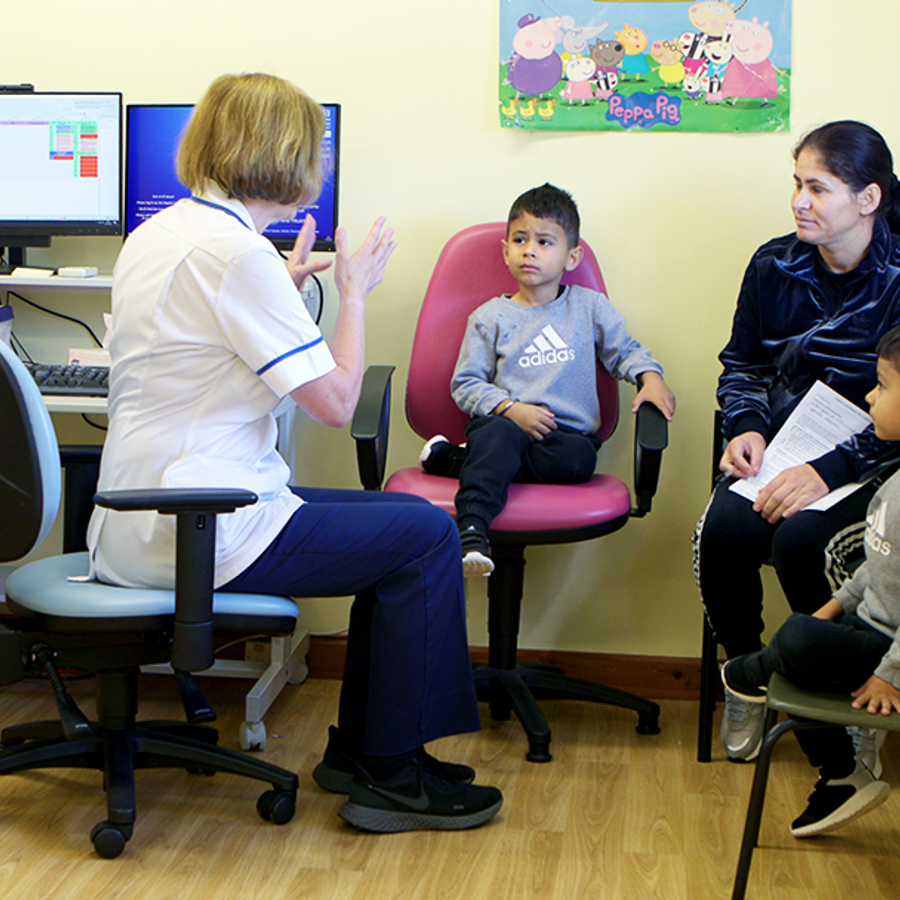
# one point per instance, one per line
(469, 271)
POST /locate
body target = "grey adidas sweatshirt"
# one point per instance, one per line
(546, 355)
(873, 593)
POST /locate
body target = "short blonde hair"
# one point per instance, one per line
(258, 137)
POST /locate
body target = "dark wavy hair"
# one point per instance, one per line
(858, 155)
(889, 347)
(549, 202)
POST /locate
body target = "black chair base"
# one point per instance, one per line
(518, 689)
(118, 746)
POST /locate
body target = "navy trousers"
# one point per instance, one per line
(407, 677)
(498, 452)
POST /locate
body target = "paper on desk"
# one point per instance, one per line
(821, 421)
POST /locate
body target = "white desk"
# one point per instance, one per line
(69, 403)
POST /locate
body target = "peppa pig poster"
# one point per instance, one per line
(658, 65)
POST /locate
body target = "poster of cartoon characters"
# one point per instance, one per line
(660, 65)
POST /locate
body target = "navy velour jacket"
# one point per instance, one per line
(784, 339)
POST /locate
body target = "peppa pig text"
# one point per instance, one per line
(644, 110)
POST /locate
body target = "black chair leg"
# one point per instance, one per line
(709, 678)
(774, 733)
(505, 691)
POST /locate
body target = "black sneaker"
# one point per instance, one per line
(440, 457)
(741, 682)
(415, 799)
(836, 801)
(336, 770)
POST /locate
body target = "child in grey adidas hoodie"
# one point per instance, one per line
(850, 645)
(526, 374)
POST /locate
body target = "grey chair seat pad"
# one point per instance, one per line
(42, 590)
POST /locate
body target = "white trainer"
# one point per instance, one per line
(742, 727)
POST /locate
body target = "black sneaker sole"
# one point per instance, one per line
(387, 821)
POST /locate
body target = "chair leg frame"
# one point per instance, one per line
(774, 733)
(709, 679)
(119, 746)
(510, 686)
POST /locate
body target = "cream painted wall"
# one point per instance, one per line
(673, 218)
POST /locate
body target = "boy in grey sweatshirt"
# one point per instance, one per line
(851, 644)
(526, 374)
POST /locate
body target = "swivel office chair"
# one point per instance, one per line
(112, 631)
(469, 271)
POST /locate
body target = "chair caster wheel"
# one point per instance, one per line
(108, 839)
(277, 806)
(252, 736)
(299, 674)
(198, 770)
(538, 755)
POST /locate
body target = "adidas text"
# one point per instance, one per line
(546, 358)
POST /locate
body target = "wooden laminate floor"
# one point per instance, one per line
(615, 815)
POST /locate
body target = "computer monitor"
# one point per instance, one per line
(60, 167)
(151, 183)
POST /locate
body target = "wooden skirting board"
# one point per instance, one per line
(655, 677)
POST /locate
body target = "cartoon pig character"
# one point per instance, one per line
(580, 71)
(535, 67)
(750, 73)
(634, 40)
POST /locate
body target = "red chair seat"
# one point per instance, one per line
(531, 507)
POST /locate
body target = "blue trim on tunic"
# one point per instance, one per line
(283, 356)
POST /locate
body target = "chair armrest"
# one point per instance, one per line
(195, 552)
(370, 427)
(176, 501)
(651, 437)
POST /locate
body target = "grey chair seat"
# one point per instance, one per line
(43, 593)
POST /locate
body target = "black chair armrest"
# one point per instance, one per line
(176, 501)
(195, 551)
(370, 427)
(651, 437)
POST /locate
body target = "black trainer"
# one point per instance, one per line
(738, 677)
(476, 552)
(440, 457)
(336, 770)
(415, 799)
(836, 801)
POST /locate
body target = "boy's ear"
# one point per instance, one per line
(575, 256)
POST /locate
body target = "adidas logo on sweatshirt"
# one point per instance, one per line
(547, 348)
(875, 530)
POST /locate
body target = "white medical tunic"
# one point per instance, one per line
(208, 335)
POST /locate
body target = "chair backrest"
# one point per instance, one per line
(29, 461)
(469, 271)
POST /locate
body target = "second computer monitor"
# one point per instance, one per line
(151, 182)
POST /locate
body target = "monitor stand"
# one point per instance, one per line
(15, 257)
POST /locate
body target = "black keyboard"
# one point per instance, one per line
(86, 381)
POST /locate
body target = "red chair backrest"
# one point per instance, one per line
(469, 271)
